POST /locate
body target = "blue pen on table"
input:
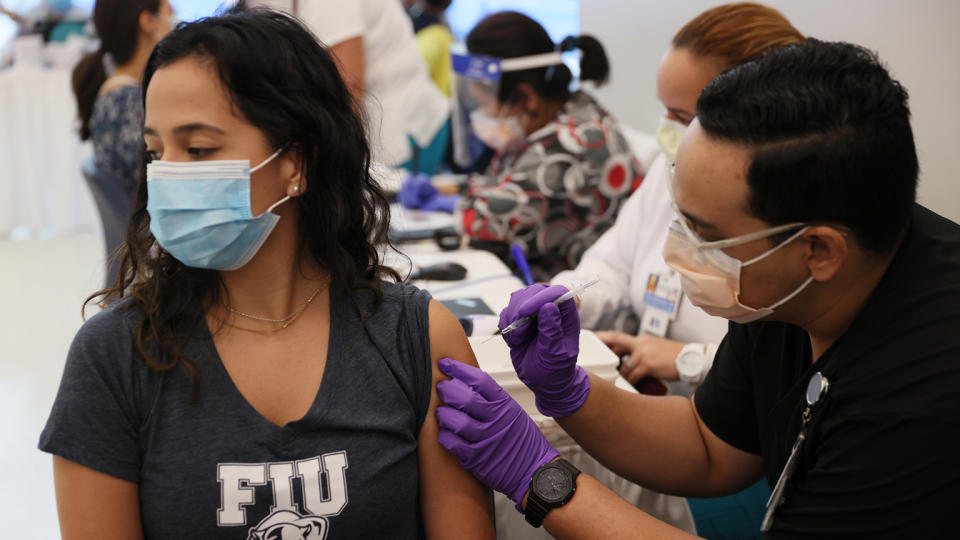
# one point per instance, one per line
(561, 299)
(520, 258)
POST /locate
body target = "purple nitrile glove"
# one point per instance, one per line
(415, 189)
(489, 432)
(418, 192)
(544, 352)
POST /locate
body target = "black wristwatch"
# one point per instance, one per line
(552, 486)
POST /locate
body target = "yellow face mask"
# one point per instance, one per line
(669, 133)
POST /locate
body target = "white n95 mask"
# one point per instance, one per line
(501, 133)
(200, 212)
(669, 133)
(711, 279)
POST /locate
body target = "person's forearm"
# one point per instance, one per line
(653, 441)
(596, 512)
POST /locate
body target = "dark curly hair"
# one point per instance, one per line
(286, 84)
(831, 138)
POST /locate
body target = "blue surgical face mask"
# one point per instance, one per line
(200, 212)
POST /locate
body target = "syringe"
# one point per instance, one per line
(576, 291)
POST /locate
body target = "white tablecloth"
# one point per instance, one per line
(41, 186)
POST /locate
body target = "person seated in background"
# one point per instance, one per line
(796, 219)
(258, 376)
(433, 38)
(562, 169)
(106, 84)
(637, 290)
(406, 114)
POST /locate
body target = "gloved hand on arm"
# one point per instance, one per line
(489, 432)
(544, 352)
(418, 192)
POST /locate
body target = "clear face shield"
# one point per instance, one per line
(479, 118)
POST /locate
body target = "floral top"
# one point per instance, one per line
(555, 195)
(116, 128)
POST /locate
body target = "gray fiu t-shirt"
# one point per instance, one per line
(216, 468)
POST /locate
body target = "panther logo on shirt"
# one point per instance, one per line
(323, 494)
(286, 525)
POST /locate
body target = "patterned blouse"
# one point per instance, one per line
(555, 195)
(116, 128)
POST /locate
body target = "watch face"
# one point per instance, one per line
(552, 484)
(689, 364)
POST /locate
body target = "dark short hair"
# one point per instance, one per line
(831, 138)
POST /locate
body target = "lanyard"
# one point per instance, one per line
(816, 390)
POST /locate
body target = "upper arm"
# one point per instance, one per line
(454, 503)
(730, 469)
(91, 503)
(349, 54)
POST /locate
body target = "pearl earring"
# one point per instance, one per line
(296, 189)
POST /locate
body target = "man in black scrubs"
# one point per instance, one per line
(795, 191)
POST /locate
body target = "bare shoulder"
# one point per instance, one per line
(455, 504)
(447, 338)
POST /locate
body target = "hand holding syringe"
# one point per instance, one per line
(576, 291)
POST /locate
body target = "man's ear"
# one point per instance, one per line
(829, 250)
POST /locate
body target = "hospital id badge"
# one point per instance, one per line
(655, 322)
(663, 292)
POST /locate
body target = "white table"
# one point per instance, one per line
(489, 278)
(41, 186)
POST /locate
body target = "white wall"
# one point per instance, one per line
(918, 40)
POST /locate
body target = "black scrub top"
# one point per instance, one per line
(883, 454)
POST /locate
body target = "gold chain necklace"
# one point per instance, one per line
(282, 323)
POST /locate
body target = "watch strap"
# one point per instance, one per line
(537, 508)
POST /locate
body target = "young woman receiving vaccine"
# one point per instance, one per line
(257, 377)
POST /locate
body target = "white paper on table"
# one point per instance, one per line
(407, 220)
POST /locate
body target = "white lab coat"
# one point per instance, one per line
(626, 255)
